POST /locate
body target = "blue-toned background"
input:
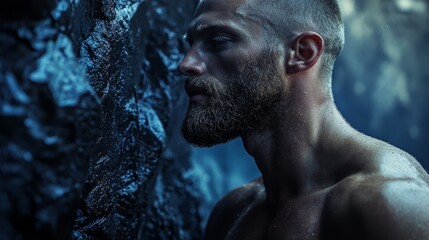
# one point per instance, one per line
(91, 106)
(380, 85)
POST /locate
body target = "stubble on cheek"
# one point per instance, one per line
(233, 108)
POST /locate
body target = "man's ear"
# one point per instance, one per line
(304, 52)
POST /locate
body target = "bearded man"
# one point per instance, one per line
(261, 71)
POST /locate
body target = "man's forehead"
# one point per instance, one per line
(222, 11)
(235, 15)
(220, 6)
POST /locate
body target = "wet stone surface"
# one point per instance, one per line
(90, 108)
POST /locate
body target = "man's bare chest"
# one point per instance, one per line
(296, 219)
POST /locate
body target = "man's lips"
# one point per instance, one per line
(195, 93)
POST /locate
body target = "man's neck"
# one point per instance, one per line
(292, 151)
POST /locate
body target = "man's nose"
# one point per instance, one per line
(192, 64)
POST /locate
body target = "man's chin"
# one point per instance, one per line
(202, 139)
(210, 123)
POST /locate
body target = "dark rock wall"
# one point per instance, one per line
(49, 118)
(90, 108)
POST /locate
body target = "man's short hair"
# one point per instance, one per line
(321, 16)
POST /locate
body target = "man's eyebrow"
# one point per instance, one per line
(200, 28)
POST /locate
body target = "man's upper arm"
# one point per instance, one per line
(408, 206)
(391, 209)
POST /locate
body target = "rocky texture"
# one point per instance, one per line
(49, 117)
(90, 91)
(136, 184)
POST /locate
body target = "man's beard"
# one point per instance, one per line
(234, 107)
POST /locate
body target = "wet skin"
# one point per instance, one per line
(321, 179)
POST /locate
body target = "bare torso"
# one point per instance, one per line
(348, 209)
(295, 219)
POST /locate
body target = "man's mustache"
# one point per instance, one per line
(209, 85)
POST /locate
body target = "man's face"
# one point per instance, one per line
(233, 76)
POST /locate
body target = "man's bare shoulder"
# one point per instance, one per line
(231, 207)
(387, 199)
(373, 156)
(395, 163)
(373, 206)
